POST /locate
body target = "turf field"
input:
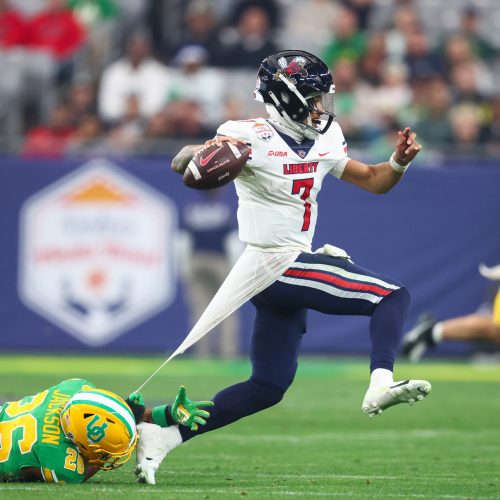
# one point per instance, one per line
(316, 443)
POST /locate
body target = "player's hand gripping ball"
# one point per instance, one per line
(217, 164)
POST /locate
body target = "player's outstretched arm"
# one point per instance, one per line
(183, 411)
(383, 177)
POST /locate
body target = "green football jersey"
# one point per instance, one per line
(31, 436)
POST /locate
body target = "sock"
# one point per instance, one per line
(437, 332)
(386, 329)
(381, 376)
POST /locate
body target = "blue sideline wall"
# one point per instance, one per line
(430, 232)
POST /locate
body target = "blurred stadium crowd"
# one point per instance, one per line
(136, 77)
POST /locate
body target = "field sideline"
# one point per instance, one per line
(316, 443)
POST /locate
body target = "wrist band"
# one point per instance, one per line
(159, 417)
(396, 166)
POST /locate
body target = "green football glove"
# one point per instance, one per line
(188, 413)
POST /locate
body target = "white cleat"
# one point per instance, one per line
(378, 399)
(152, 447)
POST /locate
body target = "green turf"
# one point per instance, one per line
(316, 443)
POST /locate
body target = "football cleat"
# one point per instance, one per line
(419, 339)
(377, 399)
(153, 445)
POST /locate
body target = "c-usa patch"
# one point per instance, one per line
(264, 132)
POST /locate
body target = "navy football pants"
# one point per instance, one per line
(322, 283)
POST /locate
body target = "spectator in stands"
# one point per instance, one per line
(392, 95)
(126, 135)
(307, 35)
(88, 138)
(194, 81)
(271, 7)
(373, 58)
(155, 132)
(422, 62)
(469, 27)
(137, 73)
(81, 98)
(404, 21)
(348, 41)
(433, 123)
(458, 51)
(464, 91)
(55, 30)
(493, 128)
(351, 99)
(466, 130)
(12, 33)
(381, 144)
(248, 44)
(363, 10)
(12, 26)
(100, 20)
(50, 140)
(185, 119)
(93, 12)
(200, 28)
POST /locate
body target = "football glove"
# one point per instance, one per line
(187, 412)
(136, 404)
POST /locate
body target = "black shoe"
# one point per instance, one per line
(419, 339)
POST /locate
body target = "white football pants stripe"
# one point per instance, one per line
(346, 274)
(338, 292)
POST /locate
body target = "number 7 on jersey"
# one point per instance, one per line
(306, 185)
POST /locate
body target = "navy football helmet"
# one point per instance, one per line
(297, 84)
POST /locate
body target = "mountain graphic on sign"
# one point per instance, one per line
(98, 190)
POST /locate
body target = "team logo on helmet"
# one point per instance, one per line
(294, 67)
(96, 432)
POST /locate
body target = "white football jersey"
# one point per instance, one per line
(278, 187)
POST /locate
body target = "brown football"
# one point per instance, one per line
(215, 166)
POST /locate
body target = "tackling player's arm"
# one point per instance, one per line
(182, 411)
(383, 177)
(185, 155)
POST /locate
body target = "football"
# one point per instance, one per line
(215, 166)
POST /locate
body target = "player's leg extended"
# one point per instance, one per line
(275, 345)
(335, 285)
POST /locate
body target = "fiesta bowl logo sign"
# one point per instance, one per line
(96, 252)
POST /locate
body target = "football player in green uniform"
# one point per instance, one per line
(70, 431)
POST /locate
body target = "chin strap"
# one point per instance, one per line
(286, 125)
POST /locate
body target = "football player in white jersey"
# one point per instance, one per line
(292, 151)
